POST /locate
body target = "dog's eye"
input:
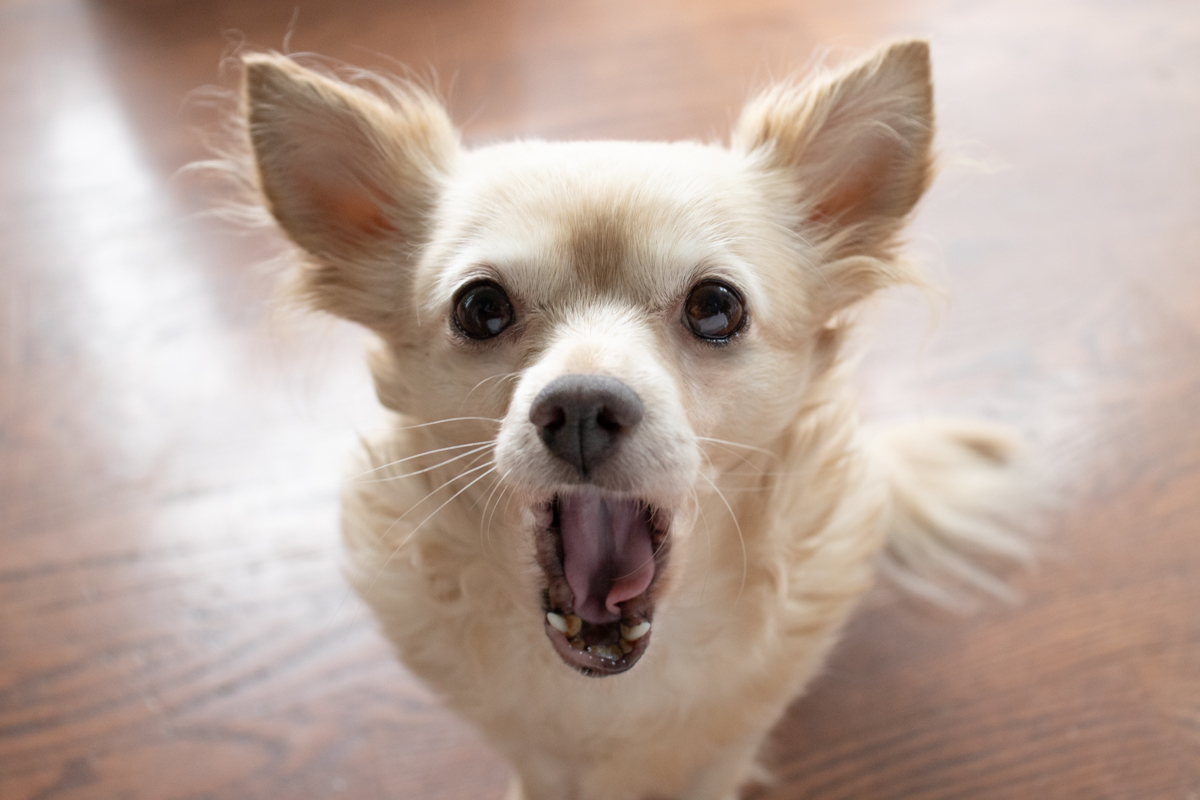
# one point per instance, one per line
(714, 311)
(482, 310)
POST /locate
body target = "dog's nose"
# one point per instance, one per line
(582, 418)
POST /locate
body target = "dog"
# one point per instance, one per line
(624, 505)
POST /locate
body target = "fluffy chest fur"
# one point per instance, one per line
(747, 619)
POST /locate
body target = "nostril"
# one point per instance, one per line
(609, 420)
(548, 417)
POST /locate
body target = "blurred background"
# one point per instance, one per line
(172, 620)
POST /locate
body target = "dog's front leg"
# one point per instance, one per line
(519, 789)
(722, 777)
(544, 779)
(719, 778)
(515, 790)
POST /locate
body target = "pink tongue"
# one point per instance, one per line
(607, 553)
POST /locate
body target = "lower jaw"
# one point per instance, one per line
(597, 649)
(607, 654)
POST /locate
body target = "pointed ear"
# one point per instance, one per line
(351, 176)
(853, 149)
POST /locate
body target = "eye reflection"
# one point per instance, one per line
(714, 311)
(482, 310)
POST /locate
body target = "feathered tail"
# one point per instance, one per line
(962, 493)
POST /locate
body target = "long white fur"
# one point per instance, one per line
(784, 506)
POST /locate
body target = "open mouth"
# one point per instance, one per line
(602, 556)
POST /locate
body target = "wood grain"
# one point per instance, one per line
(172, 620)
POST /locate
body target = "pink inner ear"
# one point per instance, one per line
(355, 211)
(345, 206)
(863, 188)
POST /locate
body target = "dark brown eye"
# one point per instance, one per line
(482, 310)
(714, 311)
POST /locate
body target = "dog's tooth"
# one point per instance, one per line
(636, 632)
(578, 643)
(574, 625)
(558, 622)
(609, 652)
(625, 646)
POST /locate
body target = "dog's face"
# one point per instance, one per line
(613, 306)
(618, 295)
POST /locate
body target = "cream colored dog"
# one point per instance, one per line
(626, 506)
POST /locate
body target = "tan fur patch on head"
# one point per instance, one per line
(597, 247)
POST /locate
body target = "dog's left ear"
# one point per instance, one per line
(851, 151)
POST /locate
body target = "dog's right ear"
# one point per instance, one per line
(351, 176)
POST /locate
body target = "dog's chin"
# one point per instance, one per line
(603, 556)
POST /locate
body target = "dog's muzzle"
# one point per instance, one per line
(601, 551)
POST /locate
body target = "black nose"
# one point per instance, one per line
(582, 418)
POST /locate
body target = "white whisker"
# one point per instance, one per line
(448, 419)
(700, 515)
(738, 526)
(476, 445)
(501, 376)
(488, 533)
(413, 532)
(487, 501)
(428, 495)
(728, 443)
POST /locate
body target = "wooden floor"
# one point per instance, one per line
(172, 620)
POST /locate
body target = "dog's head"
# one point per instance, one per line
(614, 306)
